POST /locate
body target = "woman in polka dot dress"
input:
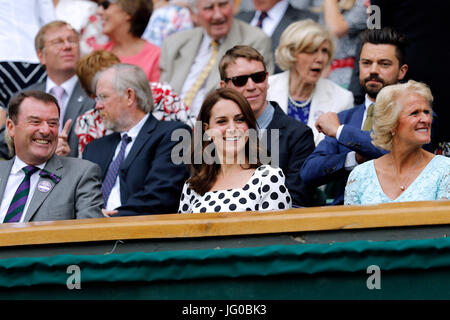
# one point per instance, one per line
(230, 177)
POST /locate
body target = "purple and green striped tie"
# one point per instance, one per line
(15, 210)
(113, 169)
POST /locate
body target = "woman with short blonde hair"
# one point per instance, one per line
(387, 111)
(402, 124)
(302, 36)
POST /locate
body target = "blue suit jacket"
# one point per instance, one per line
(326, 163)
(150, 183)
(296, 142)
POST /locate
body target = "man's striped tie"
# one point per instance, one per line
(113, 169)
(15, 210)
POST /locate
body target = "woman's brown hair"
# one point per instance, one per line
(203, 174)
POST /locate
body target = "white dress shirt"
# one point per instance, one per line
(350, 159)
(19, 23)
(114, 197)
(274, 16)
(201, 60)
(68, 86)
(15, 179)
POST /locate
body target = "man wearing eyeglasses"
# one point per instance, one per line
(189, 59)
(58, 50)
(139, 176)
(242, 68)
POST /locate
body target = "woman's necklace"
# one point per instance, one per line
(299, 104)
(405, 185)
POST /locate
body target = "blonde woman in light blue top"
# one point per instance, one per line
(402, 124)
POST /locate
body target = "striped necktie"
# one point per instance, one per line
(113, 169)
(368, 122)
(203, 75)
(15, 210)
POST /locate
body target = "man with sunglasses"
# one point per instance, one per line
(189, 59)
(58, 49)
(242, 68)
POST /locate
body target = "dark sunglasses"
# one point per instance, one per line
(106, 4)
(240, 81)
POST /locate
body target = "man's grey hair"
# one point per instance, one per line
(128, 76)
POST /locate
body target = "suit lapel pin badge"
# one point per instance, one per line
(80, 98)
(44, 186)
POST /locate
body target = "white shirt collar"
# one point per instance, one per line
(68, 85)
(206, 42)
(367, 102)
(133, 132)
(19, 164)
(277, 11)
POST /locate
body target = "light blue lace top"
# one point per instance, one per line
(433, 183)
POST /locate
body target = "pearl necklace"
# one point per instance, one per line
(300, 104)
(405, 185)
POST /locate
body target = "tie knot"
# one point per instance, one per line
(29, 170)
(214, 45)
(57, 91)
(126, 139)
(262, 16)
(370, 110)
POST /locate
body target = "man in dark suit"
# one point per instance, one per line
(36, 184)
(289, 141)
(139, 174)
(347, 142)
(273, 17)
(58, 49)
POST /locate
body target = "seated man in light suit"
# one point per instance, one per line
(348, 142)
(37, 185)
(273, 16)
(242, 68)
(58, 49)
(189, 59)
(139, 176)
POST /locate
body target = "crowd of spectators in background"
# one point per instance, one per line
(288, 104)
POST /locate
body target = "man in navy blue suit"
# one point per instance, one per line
(347, 142)
(289, 141)
(139, 176)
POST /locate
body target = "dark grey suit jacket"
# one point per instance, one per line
(78, 104)
(291, 15)
(76, 196)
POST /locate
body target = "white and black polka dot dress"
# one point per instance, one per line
(263, 192)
